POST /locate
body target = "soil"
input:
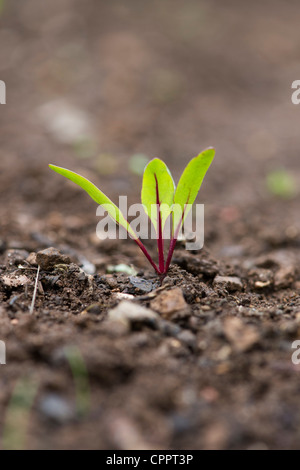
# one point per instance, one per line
(203, 361)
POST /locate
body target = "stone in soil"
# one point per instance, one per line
(31, 259)
(285, 277)
(170, 304)
(242, 337)
(50, 257)
(56, 409)
(140, 286)
(130, 314)
(230, 283)
(188, 338)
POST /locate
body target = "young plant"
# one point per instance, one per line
(160, 198)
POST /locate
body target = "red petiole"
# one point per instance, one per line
(160, 239)
(162, 269)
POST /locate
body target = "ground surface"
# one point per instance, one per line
(208, 364)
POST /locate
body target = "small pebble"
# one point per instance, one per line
(47, 259)
(131, 313)
(170, 303)
(56, 409)
(231, 283)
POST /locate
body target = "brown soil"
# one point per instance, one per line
(212, 370)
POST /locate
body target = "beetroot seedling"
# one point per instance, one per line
(161, 200)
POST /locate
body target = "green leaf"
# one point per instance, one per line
(189, 185)
(98, 196)
(158, 189)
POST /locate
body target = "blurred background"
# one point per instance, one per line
(101, 87)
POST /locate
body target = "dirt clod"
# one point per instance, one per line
(242, 337)
(284, 277)
(230, 283)
(133, 314)
(50, 257)
(170, 303)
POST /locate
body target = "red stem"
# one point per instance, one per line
(170, 254)
(160, 240)
(174, 240)
(142, 247)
